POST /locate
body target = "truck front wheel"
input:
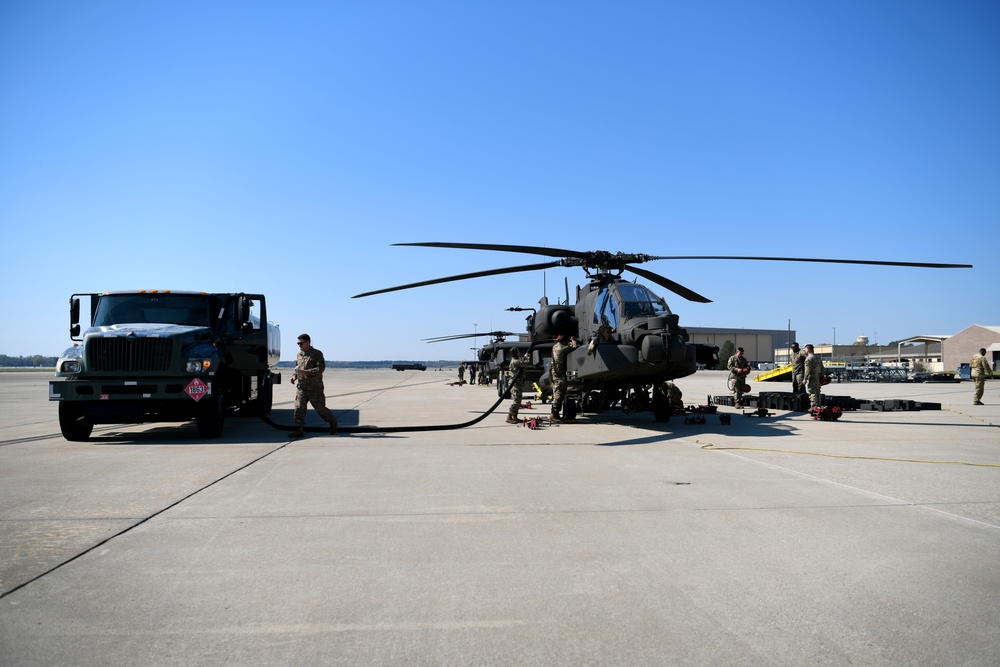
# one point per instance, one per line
(210, 417)
(72, 423)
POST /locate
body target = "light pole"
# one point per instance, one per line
(835, 336)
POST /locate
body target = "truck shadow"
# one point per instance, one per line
(239, 429)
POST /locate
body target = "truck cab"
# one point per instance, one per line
(151, 355)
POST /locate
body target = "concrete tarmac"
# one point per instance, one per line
(872, 540)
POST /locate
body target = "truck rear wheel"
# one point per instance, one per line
(72, 423)
(210, 417)
(503, 384)
(265, 394)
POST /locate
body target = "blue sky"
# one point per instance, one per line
(282, 147)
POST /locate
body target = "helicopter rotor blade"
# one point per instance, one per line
(464, 276)
(488, 334)
(925, 265)
(676, 288)
(531, 250)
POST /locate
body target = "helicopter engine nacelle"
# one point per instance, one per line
(707, 355)
(667, 346)
(552, 321)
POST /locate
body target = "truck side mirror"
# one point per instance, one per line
(74, 318)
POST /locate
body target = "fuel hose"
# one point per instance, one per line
(400, 429)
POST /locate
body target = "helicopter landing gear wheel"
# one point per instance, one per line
(662, 410)
(570, 408)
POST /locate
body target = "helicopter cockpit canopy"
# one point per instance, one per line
(632, 300)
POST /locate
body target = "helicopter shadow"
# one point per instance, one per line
(741, 425)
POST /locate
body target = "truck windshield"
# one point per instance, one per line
(186, 309)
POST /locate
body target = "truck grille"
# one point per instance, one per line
(129, 355)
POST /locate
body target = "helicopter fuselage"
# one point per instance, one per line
(629, 342)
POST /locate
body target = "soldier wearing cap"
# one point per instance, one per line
(308, 380)
(560, 352)
(739, 368)
(813, 377)
(798, 361)
(980, 369)
(515, 371)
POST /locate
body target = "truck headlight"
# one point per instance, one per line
(198, 365)
(70, 367)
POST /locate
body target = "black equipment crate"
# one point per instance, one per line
(783, 400)
(748, 400)
(845, 403)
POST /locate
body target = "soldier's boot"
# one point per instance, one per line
(977, 403)
(554, 417)
(333, 426)
(512, 419)
(298, 432)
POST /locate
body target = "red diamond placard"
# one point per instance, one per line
(197, 389)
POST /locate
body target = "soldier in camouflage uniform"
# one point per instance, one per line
(674, 394)
(308, 379)
(516, 374)
(980, 369)
(798, 361)
(560, 352)
(813, 376)
(739, 368)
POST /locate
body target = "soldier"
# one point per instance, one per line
(674, 394)
(798, 361)
(980, 367)
(813, 371)
(739, 368)
(461, 373)
(308, 378)
(515, 371)
(560, 352)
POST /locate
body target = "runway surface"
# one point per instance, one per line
(782, 540)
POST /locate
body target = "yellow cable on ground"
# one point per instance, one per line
(978, 419)
(708, 445)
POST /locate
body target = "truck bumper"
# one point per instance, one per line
(109, 401)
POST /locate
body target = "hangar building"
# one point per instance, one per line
(758, 344)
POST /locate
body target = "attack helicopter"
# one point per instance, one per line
(494, 357)
(631, 343)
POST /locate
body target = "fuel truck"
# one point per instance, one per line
(165, 356)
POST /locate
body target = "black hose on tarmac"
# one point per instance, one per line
(398, 429)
